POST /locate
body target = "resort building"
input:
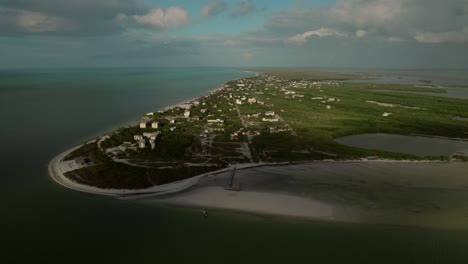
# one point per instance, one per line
(142, 124)
(155, 125)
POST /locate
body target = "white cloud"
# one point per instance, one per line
(37, 22)
(301, 39)
(442, 37)
(158, 19)
(214, 8)
(361, 33)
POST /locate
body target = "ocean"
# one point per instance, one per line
(44, 112)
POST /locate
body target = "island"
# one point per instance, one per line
(276, 118)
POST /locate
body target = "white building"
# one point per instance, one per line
(142, 143)
(187, 113)
(386, 114)
(155, 125)
(215, 121)
(142, 124)
(270, 120)
(172, 121)
(138, 137)
(153, 144)
(270, 113)
(328, 107)
(252, 100)
(238, 101)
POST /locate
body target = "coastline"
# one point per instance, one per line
(185, 192)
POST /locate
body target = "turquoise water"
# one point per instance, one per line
(44, 112)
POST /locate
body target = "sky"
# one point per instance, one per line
(421, 34)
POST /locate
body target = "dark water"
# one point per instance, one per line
(45, 112)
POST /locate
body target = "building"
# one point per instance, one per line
(270, 120)
(172, 121)
(328, 107)
(252, 100)
(270, 113)
(153, 144)
(142, 143)
(143, 124)
(155, 125)
(386, 114)
(238, 101)
(187, 113)
(138, 137)
(215, 121)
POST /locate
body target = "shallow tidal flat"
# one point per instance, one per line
(396, 193)
(416, 145)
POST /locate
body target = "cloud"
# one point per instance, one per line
(39, 22)
(442, 37)
(246, 7)
(158, 19)
(367, 12)
(214, 8)
(361, 33)
(301, 39)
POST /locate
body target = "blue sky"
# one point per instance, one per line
(239, 33)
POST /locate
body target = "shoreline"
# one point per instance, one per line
(56, 173)
(257, 202)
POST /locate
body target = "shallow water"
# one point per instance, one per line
(416, 145)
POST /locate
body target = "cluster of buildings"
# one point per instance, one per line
(147, 136)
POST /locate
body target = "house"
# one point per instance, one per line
(238, 101)
(215, 121)
(143, 124)
(270, 113)
(386, 114)
(142, 143)
(172, 121)
(153, 144)
(252, 100)
(328, 107)
(155, 125)
(203, 111)
(270, 120)
(172, 129)
(187, 113)
(138, 137)
(331, 99)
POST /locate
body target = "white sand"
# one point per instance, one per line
(258, 202)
